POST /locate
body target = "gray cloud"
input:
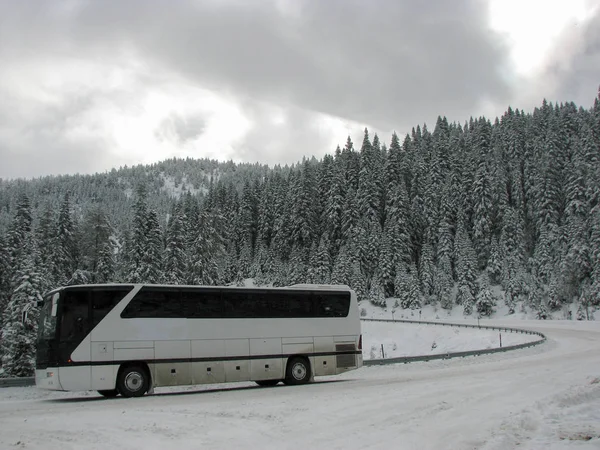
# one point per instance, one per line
(180, 129)
(384, 63)
(576, 65)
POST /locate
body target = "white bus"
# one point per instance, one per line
(129, 338)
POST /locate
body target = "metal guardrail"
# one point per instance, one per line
(17, 382)
(449, 355)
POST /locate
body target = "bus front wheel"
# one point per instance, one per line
(133, 381)
(297, 371)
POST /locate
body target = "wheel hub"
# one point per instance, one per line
(134, 381)
(299, 371)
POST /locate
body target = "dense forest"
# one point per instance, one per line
(439, 217)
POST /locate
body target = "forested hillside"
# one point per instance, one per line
(437, 216)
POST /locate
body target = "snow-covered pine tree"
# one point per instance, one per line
(466, 269)
(320, 262)
(138, 240)
(334, 208)
(67, 252)
(482, 193)
(443, 283)
(426, 270)
(494, 268)
(46, 237)
(369, 236)
(342, 268)
(386, 267)
(368, 185)
(17, 339)
(151, 268)
(175, 256)
(261, 265)
(376, 295)
(95, 234)
(513, 271)
(485, 301)
(105, 270)
(413, 298)
(4, 276)
(297, 266)
(18, 232)
(350, 217)
(207, 252)
(304, 212)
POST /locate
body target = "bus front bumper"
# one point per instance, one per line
(48, 379)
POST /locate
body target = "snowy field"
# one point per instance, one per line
(545, 397)
(408, 339)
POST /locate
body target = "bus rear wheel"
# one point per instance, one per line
(110, 393)
(133, 381)
(297, 371)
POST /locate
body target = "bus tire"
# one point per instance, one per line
(133, 381)
(267, 382)
(297, 371)
(109, 393)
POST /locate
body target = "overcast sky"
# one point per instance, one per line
(90, 85)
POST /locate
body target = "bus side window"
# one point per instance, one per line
(332, 305)
(202, 304)
(103, 301)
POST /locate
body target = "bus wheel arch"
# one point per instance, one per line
(134, 379)
(298, 370)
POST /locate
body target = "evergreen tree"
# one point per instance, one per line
(443, 283)
(426, 270)
(175, 256)
(494, 268)
(466, 269)
(485, 301)
(369, 236)
(342, 268)
(368, 186)
(386, 265)
(376, 295)
(512, 249)
(482, 192)
(152, 265)
(297, 268)
(17, 340)
(95, 235)
(18, 232)
(320, 262)
(207, 251)
(413, 298)
(138, 241)
(66, 250)
(105, 270)
(46, 237)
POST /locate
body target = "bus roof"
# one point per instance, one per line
(332, 287)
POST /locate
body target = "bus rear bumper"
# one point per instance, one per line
(48, 379)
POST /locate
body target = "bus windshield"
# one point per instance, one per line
(47, 321)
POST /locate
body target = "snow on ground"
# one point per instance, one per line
(544, 397)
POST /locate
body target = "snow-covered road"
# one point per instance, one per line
(546, 397)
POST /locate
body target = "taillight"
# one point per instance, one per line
(360, 342)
